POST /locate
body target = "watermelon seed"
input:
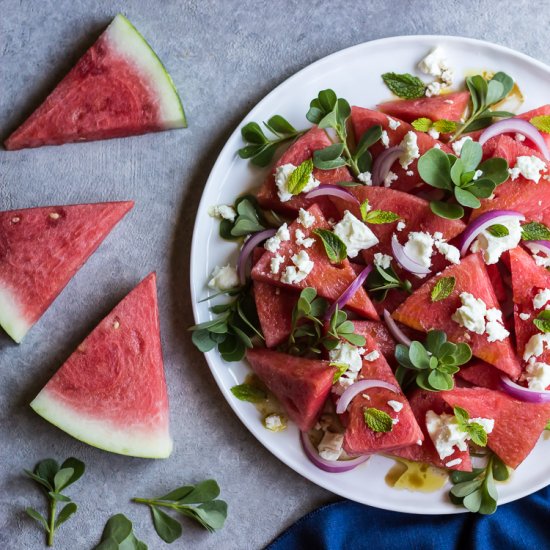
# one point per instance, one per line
(54, 216)
(116, 325)
(15, 219)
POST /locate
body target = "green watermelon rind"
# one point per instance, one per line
(130, 441)
(134, 45)
(11, 319)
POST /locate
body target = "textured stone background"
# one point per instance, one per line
(224, 57)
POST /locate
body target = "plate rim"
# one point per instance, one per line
(221, 158)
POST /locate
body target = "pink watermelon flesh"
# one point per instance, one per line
(530, 198)
(118, 88)
(518, 425)
(481, 374)
(329, 280)
(381, 335)
(363, 119)
(421, 402)
(301, 385)
(420, 313)
(543, 110)
(40, 251)
(302, 149)
(447, 106)
(359, 438)
(111, 392)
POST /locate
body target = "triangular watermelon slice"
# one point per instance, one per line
(518, 424)
(420, 313)
(40, 251)
(329, 280)
(301, 385)
(447, 106)
(111, 392)
(301, 150)
(362, 119)
(481, 374)
(381, 335)
(118, 88)
(359, 438)
(421, 402)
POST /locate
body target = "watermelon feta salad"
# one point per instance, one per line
(392, 288)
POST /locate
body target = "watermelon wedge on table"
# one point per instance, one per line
(420, 313)
(302, 149)
(301, 385)
(358, 437)
(330, 280)
(40, 251)
(518, 425)
(111, 392)
(446, 106)
(118, 88)
(421, 402)
(362, 119)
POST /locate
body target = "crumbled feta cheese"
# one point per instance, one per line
(390, 178)
(282, 174)
(537, 376)
(519, 137)
(433, 89)
(454, 462)
(349, 355)
(395, 421)
(305, 218)
(524, 316)
(528, 167)
(301, 239)
(393, 124)
(224, 278)
(433, 133)
(434, 63)
(450, 252)
(273, 422)
(494, 328)
(419, 442)
(536, 345)
(409, 173)
(437, 146)
(448, 101)
(354, 234)
(409, 144)
(447, 77)
(543, 261)
(401, 226)
(382, 260)
(330, 447)
(275, 264)
(372, 356)
(541, 298)
(222, 212)
(457, 145)
(419, 247)
(493, 247)
(385, 139)
(471, 314)
(365, 177)
(395, 405)
(300, 270)
(477, 175)
(273, 243)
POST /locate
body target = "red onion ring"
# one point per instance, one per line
(247, 249)
(404, 261)
(483, 222)
(348, 294)
(383, 162)
(538, 246)
(516, 125)
(522, 393)
(331, 466)
(324, 190)
(359, 387)
(396, 332)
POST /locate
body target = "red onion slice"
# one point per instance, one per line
(348, 294)
(253, 241)
(331, 466)
(383, 162)
(325, 190)
(516, 125)
(404, 261)
(483, 222)
(359, 387)
(522, 393)
(538, 246)
(396, 332)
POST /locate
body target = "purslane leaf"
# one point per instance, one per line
(167, 528)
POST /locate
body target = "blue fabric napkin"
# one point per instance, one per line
(523, 524)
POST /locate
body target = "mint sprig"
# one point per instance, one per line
(380, 281)
(535, 231)
(299, 178)
(443, 288)
(378, 421)
(335, 248)
(442, 126)
(475, 430)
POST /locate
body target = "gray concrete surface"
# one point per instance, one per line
(224, 57)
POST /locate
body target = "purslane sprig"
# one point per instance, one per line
(249, 219)
(53, 479)
(118, 534)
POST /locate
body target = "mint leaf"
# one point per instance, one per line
(380, 216)
(542, 322)
(498, 230)
(377, 420)
(404, 85)
(535, 231)
(341, 368)
(461, 416)
(364, 208)
(477, 434)
(247, 392)
(334, 246)
(299, 178)
(421, 124)
(541, 123)
(444, 126)
(443, 288)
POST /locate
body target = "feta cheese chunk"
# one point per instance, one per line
(382, 260)
(471, 314)
(390, 178)
(528, 167)
(224, 278)
(433, 88)
(543, 261)
(419, 247)
(450, 252)
(536, 345)
(537, 376)
(397, 406)
(305, 218)
(347, 354)
(401, 225)
(300, 270)
(274, 423)
(273, 243)
(302, 241)
(282, 174)
(493, 247)
(385, 139)
(541, 299)
(494, 328)
(454, 462)
(457, 145)
(410, 149)
(393, 124)
(275, 264)
(365, 177)
(372, 356)
(354, 234)
(524, 316)
(222, 212)
(330, 447)
(435, 63)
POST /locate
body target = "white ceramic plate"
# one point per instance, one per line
(353, 73)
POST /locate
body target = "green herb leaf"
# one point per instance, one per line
(443, 288)
(498, 230)
(38, 517)
(535, 231)
(418, 355)
(542, 322)
(299, 178)
(421, 124)
(377, 420)
(465, 198)
(329, 157)
(444, 126)
(118, 535)
(67, 511)
(542, 123)
(380, 281)
(167, 528)
(364, 209)
(495, 169)
(404, 85)
(341, 368)
(434, 168)
(246, 392)
(447, 210)
(477, 434)
(334, 246)
(380, 216)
